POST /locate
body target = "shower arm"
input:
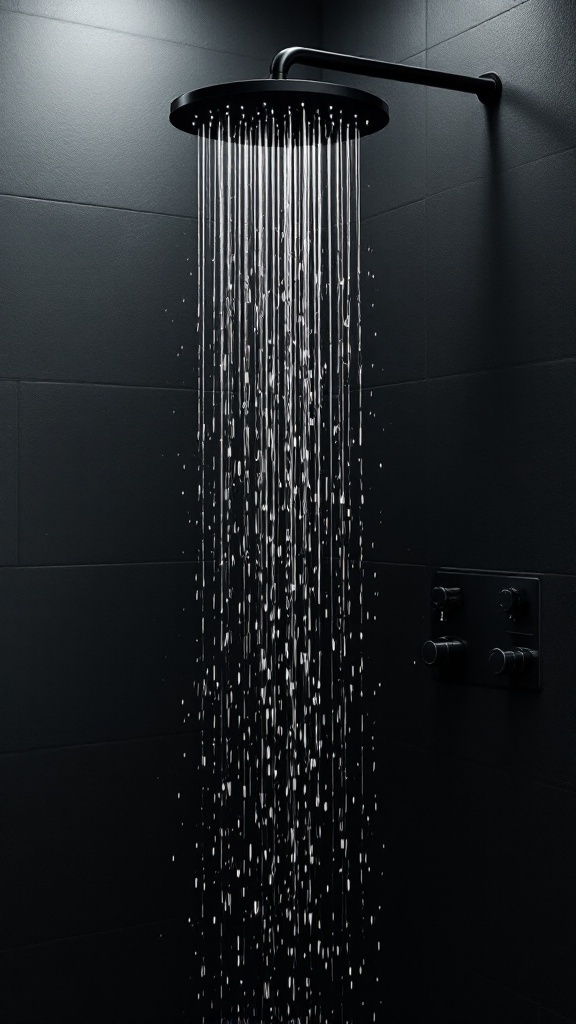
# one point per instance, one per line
(488, 87)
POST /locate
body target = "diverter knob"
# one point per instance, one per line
(443, 651)
(515, 661)
(511, 600)
(444, 598)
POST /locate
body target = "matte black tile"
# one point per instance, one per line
(394, 461)
(476, 999)
(102, 475)
(394, 296)
(94, 837)
(501, 486)
(391, 31)
(136, 974)
(479, 865)
(252, 28)
(446, 18)
(93, 294)
(423, 986)
(9, 473)
(396, 600)
(393, 161)
(548, 1017)
(85, 113)
(97, 653)
(531, 48)
(500, 264)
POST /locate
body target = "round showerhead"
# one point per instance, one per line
(236, 103)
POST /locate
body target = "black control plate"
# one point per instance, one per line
(480, 620)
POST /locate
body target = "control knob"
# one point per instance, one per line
(511, 600)
(444, 598)
(511, 662)
(444, 651)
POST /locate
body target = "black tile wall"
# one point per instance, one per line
(107, 474)
(394, 423)
(385, 31)
(476, 999)
(447, 18)
(94, 837)
(85, 113)
(475, 837)
(394, 296)
(253, 28)
(94, 653)
(134, 974)
(531, 48)
(448, 992)
(100, 627)
(488, 435)
(9, 473)
(478, 865)
(548, 1017)
(500, 258)
(473, 842)
(100, 295)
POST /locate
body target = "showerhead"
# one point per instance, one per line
(225, 108)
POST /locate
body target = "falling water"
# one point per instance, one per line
(280, 430)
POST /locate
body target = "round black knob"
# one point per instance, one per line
(517, 660)
(446, 597)
(510, 599)
(442, 651)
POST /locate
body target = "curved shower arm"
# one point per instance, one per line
(488, 87)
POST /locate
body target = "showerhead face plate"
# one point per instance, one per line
(222, 110)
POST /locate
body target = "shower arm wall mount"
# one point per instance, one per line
(488, 87)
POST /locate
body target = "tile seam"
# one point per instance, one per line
(134, 35)
(85, 935)
(478, 24)
(193, 730)
(484, 767)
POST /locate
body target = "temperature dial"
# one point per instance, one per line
(512, 662)
(445, 598)
(443, 651)
(512, 600)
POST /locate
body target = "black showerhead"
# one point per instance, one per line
(236, 103)
(220, 110)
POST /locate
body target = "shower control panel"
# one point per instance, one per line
(484, 630)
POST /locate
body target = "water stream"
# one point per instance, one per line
(280, 431)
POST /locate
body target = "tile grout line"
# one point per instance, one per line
(163, 921)
(426, 452)
(479, 24)
(467, 373)
(192, 731)
(133, 35)
(426, 213)
(449, 758)
(470, 181)
(18, 502)
(97, 206)
(178, 389)
(432, 565)
(371, 216)
(104, 565)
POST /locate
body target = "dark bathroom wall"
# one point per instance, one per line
(99, 745)
(470, 385)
